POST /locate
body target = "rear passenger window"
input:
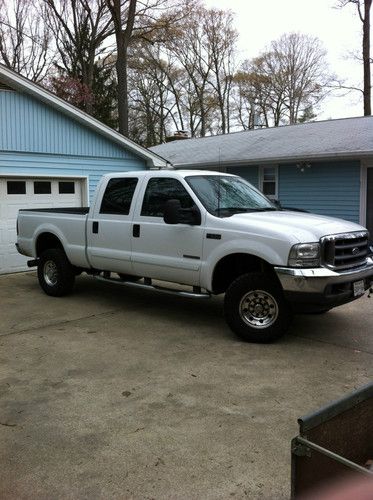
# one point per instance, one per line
(16, 187)
(158, 191)
(118, 196)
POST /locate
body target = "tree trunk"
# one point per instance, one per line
(123, 33)
(366, 58)
(121, 67)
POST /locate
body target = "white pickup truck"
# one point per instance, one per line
(209, 231)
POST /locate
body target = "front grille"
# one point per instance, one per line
(344, 251)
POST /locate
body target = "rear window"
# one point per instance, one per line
(118, 196)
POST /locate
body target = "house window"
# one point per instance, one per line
(42, 187)
(269, 182)
(16, 187)
(66, 187)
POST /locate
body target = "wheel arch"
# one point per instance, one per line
(233, 265)
(46, 241)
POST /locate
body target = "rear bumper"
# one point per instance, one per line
(313, 289)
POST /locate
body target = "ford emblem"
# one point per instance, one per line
(355, 250)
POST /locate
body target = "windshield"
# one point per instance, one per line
(224, 195)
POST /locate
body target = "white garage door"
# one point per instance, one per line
(16, 193)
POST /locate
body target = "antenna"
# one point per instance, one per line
(219, 181)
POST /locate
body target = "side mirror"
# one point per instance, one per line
(192, 216)
(174, 214)
(171, 214)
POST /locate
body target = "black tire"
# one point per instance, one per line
(255, 308)
(55, 273)
(129, 277)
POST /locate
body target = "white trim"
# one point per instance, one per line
(18, 82)
(364, 165)
(261, 178)
(49, 176)
(363, 193)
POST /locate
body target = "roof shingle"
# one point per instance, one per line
(342, 138)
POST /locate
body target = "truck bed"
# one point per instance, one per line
(63, 210)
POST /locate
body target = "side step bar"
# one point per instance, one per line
(33, 263)
(147, 285)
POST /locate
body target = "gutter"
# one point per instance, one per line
(277, 160)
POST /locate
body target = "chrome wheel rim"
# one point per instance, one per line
(50, 273)
(258, 309)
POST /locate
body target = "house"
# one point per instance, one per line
(325, 167)
(52, 155)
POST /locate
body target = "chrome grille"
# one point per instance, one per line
(344, 251)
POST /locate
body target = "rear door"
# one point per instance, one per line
(109, 231)
(163, 251)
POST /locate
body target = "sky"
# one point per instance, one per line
(261, 21)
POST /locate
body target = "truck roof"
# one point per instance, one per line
(166, 173)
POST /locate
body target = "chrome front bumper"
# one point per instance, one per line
(316, 280)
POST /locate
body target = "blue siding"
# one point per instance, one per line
(30, 125)
(328, 188)
(39, 164)
(251, 174)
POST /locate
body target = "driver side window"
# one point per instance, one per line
(158, 191)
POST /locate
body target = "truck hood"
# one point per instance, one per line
(302, 226)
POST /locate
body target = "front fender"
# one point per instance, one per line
(256, 248)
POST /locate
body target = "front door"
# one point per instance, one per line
(164, 251)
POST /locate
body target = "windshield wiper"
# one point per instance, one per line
(267, 209)
(233, 210)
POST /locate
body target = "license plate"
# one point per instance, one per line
(359, 288)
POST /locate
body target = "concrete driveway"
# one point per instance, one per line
(118, 393)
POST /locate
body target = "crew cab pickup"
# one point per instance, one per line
(211, 232)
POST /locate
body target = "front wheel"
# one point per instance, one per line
(55, 273)
(255, 308)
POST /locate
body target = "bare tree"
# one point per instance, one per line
(289, 78)
(25, 40)
(190, 47)
(80, 28)
(148, 21)
(221, 38)
(260, 97)
(363, 8)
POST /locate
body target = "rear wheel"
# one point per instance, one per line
(255, 308)
(55, 273)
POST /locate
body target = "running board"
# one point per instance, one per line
(147, 285)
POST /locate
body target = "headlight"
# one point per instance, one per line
(305, 255)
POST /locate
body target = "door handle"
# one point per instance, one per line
(136, 231)
(95, 227)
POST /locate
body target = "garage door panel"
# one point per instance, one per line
(10, 204)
